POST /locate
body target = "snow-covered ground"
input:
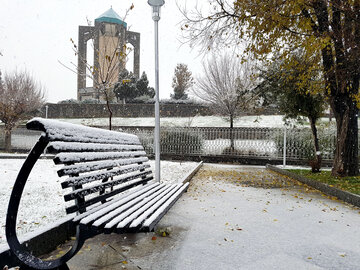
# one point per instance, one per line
(197, 121)
(42, 202)
(239, 217)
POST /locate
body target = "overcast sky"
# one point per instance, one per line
(36, 34)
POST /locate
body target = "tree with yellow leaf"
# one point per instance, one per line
(327, 30)
(292, 95)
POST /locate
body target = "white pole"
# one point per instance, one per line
(46, 111)
(157, 106)
(284, 149)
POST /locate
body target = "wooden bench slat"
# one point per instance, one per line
(151, 221)
(75, 208)
(133, 193)
(122, 215)
(54, 137)
(100, 175)
(158, 205)
(111, 211)
(61, 131)
(68, 158)
(81, 193)
(125, 222)
(98, 165)
(56, 147)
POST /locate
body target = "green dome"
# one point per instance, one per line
(110, 16)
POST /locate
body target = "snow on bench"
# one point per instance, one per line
(106, 176)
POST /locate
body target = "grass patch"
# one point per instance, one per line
(350, 184)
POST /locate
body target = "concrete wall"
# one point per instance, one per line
(121, 110)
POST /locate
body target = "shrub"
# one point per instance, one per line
(180, 141)
(142, 99)
(177, 101)
(68, 101)
(300, 142)
(90, 101)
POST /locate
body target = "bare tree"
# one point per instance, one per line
(20, 95)
(228, 86)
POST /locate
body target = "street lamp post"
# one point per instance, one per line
(156, 5)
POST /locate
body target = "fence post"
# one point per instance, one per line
(284, 149)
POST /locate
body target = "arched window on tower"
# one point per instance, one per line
(90, 61)
(129, 57)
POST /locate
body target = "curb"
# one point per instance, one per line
(331, 191)
(190, 175)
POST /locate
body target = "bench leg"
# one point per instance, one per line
(64, 267)
(30, 262)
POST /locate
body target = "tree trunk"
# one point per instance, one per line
(108, 106)
(315, 164)
(341, 85)
(110, 113)
(232, 144)
(7, 145)
(346, 153)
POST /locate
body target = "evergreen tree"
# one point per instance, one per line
(142, 86)
(125, 89)
(182, 81)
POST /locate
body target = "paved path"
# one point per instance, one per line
(235, 217)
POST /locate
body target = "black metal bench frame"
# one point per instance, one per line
(83, 232)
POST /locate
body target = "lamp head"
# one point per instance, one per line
(156, 5)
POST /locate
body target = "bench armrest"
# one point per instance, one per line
(23, 255)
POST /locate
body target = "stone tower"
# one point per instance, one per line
(110, 36)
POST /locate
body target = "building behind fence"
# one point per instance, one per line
(222, 144)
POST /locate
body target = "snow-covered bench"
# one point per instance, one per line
(107, 177)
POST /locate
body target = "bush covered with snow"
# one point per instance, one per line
(300, 142)
(68, 101)
(180, 101)
(180, 141)
(176, 141)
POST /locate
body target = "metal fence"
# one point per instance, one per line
(221, 142)
(240, 142)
